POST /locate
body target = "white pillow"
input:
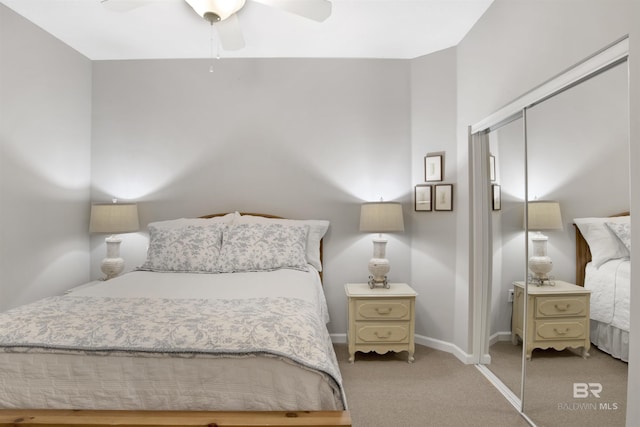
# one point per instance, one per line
(317, 229)
(603, 243)
(192, 247)
(623, 231)
(181, 222)
(263, 247)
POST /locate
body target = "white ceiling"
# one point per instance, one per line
(171, 29)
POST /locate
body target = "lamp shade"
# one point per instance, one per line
(381, 217)
(114, 218)
(544, 215)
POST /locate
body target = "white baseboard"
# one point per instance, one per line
(339, 338)
(436, 344)
(448, 347)
(499, 336)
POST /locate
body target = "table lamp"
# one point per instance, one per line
(380, 217)
(542, 215)
(113, 218)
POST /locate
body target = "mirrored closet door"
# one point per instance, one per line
(507, 193)
(565, 142)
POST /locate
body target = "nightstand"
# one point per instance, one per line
(381, 319)
(557, 316)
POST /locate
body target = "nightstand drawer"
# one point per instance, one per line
(558, 307)
(378, 333)
(374, 309)
(561, 330)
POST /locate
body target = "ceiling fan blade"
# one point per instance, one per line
(124, 5)
(317, 10)
(230, 33)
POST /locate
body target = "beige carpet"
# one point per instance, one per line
(436, 390)
(549, 400)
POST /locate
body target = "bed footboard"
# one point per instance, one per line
(45, 417)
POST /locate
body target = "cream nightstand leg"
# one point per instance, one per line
(411, 358)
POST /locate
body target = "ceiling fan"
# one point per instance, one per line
(222, 14)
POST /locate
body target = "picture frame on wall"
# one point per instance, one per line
(433, 168)
(492, 167)
(496, 198)
(443, 197)
(422, 198)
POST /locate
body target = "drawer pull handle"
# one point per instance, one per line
(565, 332)
(560, 307)
(385, 336)
(383, 310)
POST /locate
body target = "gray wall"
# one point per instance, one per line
(434, 234)
(292, 137)
(45, 138)
(633, 390)
(298, 138)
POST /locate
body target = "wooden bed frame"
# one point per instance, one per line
(65, 417)
(583, 254)
(62, 417)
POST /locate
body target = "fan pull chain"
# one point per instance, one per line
(211, 52)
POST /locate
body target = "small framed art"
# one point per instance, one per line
(433, 168)
(443, 197)
(423, 198)
(492, 167)
(496, 202)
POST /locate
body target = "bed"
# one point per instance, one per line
(227, 314)
(603, 251)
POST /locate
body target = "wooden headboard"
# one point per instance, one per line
(266, 216)
(583, 254)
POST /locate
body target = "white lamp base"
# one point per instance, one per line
(379, 265)
(112, 265)
(540, 263)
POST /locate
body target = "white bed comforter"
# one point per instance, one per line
(229, 317)
(609, 286)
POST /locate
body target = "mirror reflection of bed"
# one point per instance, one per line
(602, 378)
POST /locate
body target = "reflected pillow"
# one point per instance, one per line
(603, 242)
(623, 231)
(263, 247)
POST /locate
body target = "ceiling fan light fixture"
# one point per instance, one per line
(216, 10)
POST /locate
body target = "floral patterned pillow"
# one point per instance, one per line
(186, 248)
(263, 247)
(623, 231)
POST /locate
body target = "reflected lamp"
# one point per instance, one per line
(113, 218)
(380, 217)
(542, 215)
